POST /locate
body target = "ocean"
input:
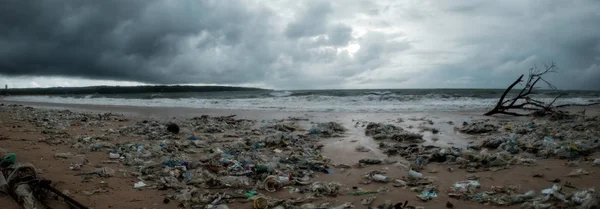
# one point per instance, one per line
(381, 100)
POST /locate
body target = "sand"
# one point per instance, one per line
(22, 139)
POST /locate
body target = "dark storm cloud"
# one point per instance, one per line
(302, 44)
(132, 40)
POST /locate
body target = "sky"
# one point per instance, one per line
(292, 44)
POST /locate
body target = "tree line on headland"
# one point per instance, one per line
(124, 90)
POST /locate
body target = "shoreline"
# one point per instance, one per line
(340, 150)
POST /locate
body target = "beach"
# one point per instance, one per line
(23, 135)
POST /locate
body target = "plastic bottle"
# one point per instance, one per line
(283, 180)
(414, 174)
(596, 162)
(529, 194)
(380, 178)
(114, 155)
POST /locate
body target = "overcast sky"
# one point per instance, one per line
(291, 44)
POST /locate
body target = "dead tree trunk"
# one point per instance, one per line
(522, 100)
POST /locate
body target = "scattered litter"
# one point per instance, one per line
(427, 194)
(414, 175)
(380, 178)
(362, 148)
(105, 172)
(478, 127)
(368, 200)
(139, 185)
(173, 128)
(239, 158)
(329, 129)
(578, 172)
(370, 161)
(250, 193)
(114, 156)
(63, 155)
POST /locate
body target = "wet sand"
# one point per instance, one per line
(341, 150)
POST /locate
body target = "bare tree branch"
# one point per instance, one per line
(578, 105)
(523, 100)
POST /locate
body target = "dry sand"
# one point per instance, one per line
(22, 139)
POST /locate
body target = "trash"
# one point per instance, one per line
(173, 128)
(380, 178)
(419, 163)
(327, 189)
(327, 129)
(64, 155)
(380, 131)
(578, 172)
(76, 166)
(8, 159)
(192, 137)
(529, 195)
(362, 148)
(399, 183)
(554, 192)
(526, 161)
(463, 186)
(572, 163)
(272, 183)
(260, 203)
(250, 193)
(373, 129)
(114, 156)
(478, 127)
(221, 206)
(370, 161)
(343, 206)
(368, 200)
(587, 198)
(427, 194)
(138, 185)
(308, 206)
(548, 141)
(235, 157)
(90, 193)
(105, 172)
(472, 177)
(414, 175)
(596, 162)
(388, 161)
(359, 193)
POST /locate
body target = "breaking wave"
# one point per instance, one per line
(319, 101)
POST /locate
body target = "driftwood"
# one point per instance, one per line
(523, 101)
(28, 189)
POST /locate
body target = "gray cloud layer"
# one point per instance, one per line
(302, 44)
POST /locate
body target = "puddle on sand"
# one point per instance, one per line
(343, 149)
